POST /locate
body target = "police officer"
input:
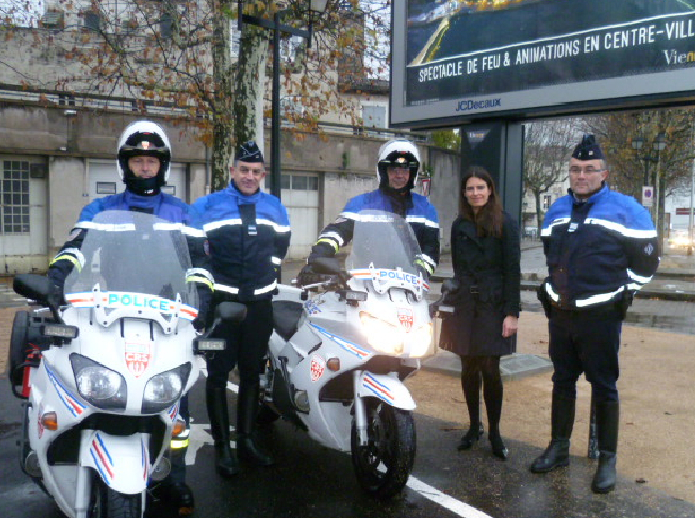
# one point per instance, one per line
(397, 169)
(143, 162)
(600, 248)
(248, 233)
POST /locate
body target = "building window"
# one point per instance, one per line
(299, 183)
(546, 202)
(14, 193)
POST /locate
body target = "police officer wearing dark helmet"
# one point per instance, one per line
(601, 247)
(397, 171)
(143, 162)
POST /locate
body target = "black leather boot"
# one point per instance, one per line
(247, 411)
(607, 418)
(499, 450)
(181, 498)
(226, 463)
(470, 437)
(557, 454)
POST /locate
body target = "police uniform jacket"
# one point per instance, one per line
(598, 251)
(414, 208)
(248, 237)
(162, 205)
(488, 273)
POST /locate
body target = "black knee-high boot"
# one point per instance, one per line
(470, 383)
(557, 454)
(607, 418)
(247, 411)
(216, 400)
(493, 393)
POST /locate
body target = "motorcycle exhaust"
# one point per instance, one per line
(31, 465)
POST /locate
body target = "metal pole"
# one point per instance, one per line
(275, 138)
(692, 195)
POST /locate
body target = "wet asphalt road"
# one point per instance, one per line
(309, 481)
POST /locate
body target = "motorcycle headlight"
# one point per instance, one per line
(162, 390)
(381, 335)
(100, 386)
(419, 341)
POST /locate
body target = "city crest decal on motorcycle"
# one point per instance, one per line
(137, 357)
(318, 367)
(405, 317)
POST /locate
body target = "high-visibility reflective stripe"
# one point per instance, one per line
(276, 260)
(235, 291)
(168, 226)
(599, 298)
(332, 235)
(330, 242)
(622, 229)
(202, 272)
(225, 288)
(424, 265)
(222, 223)
(106, 227)
(638, 278)
(74, 255)
(265, 289)
(422, 219)
(429, 260)
(177, 444)
(193, 232)
(545, 232)
(386, 218)
(278, 228)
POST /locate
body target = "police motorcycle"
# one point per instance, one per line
(341, 349)
(104, 369)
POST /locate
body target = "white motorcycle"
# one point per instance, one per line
(342, 348)
(104, 373)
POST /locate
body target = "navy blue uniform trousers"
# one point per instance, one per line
(585, 341)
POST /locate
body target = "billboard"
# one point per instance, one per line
(458, 61)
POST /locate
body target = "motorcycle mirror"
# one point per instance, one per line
(326, 265)
(34, 287)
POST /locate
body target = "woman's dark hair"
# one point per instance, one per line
(488, 220)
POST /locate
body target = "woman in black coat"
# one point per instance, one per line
(486, 255)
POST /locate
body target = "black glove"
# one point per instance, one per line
(624, 302)
(307, 276)
(204, 302)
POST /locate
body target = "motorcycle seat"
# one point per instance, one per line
(286, 315)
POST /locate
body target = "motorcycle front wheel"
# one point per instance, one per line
(104, 502)
(383, 466)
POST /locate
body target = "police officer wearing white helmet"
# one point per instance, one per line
(143, 162)
(397, 170)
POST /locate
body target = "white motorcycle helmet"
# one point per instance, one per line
(398, 152)
(144, 138)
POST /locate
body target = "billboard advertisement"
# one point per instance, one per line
(457, 61)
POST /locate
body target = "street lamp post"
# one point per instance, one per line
(658, 145)
(316, 7)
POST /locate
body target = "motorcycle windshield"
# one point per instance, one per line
(383, 240)
(134, 253)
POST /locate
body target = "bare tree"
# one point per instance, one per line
(547, 149)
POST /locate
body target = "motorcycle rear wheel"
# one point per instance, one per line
(104, 502)
(384, 465)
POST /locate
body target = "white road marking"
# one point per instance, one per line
(200, 437)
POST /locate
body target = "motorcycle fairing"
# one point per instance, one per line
(344, 344)
(383, 279)
(388, 389)
(71, 402)
(121, 461)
